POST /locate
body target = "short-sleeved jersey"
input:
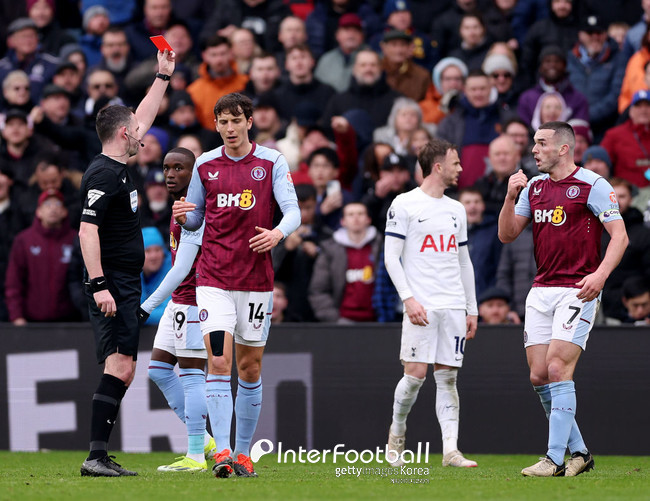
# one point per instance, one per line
(566, 217)
(433, 230)
(110, 201)
(185, 293)
(239, 195)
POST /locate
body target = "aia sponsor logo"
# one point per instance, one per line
(557, 216)
(439, 243)
(244, 200)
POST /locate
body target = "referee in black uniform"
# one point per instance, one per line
(113, 253)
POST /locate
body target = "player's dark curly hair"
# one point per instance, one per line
(235, 104)
(432, 152)
(110, 119)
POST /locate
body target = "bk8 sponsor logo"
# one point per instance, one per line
(557, 216)
(244, 200)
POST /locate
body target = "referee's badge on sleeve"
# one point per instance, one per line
(134, 200)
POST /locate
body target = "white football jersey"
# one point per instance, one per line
(433, 230)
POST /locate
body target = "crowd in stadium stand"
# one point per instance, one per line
(349, 91)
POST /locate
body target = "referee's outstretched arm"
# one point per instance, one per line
(148, 108)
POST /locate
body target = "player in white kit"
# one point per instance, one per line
(427, 258)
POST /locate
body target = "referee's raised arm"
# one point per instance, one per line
(148, 108)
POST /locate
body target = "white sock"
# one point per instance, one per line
(447, 408)
(406, 393)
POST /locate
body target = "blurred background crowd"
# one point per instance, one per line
(349, 91)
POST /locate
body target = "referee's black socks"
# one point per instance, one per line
(106, 404)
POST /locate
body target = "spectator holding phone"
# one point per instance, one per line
(330, 197)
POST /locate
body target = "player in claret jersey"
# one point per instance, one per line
(568, 206)
(427, 259)
(179, 337)
(235, 189)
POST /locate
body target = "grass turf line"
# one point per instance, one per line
(55, 475)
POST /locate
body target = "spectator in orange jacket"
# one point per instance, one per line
(448, 82)
(217, 77)
(634, 78)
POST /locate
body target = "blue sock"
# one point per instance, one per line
(167, 380)
(196, 409)
(576, 443)
(219, 402)
(561, 419)
(248, 405)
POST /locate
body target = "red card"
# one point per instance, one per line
(160, 42)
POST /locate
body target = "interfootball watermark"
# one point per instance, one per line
(400, 467)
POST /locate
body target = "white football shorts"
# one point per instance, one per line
(440, 342)
(557, 313)
(179, 332)
(245, 314)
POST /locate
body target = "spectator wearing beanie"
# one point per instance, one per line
(157, 262)
(596, 159)
(502, 74)
(448, 82)
(95, 22)
(121, 11)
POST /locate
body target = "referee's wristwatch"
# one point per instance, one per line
(97, 284)
(164, 77)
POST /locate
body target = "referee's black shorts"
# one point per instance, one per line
(121, 333)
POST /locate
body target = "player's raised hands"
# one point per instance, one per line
(516, 183)
(416, 312)
(180, 208)
(265, 240)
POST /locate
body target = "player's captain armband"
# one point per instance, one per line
(609, 215)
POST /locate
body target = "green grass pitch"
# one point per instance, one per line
(55, 475)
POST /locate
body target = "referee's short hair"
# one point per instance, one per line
(432, 152)
(110, 119)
